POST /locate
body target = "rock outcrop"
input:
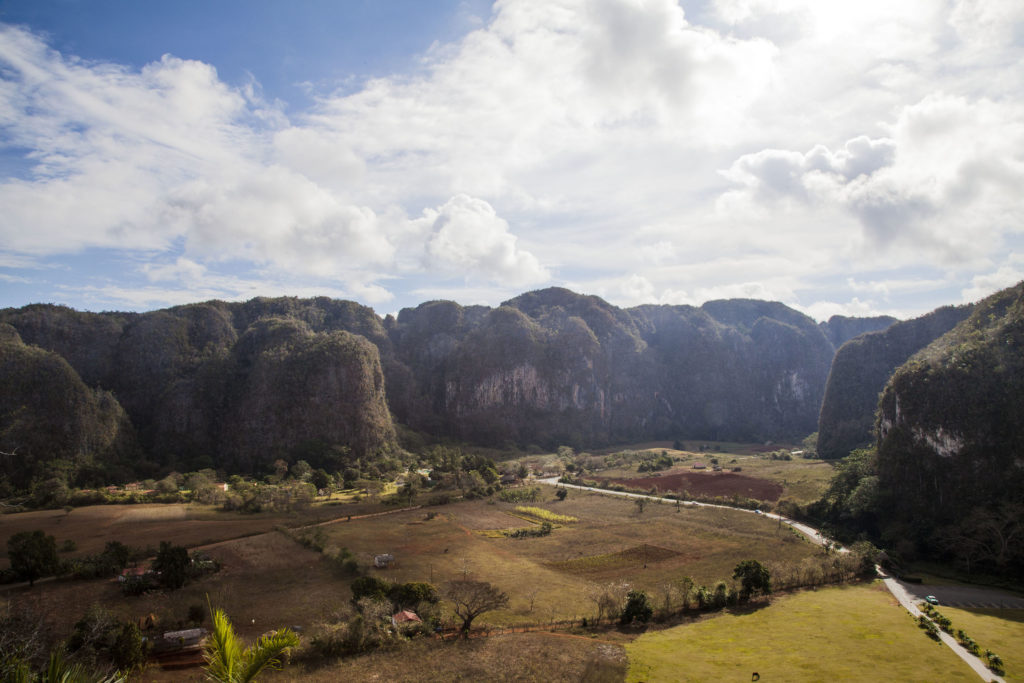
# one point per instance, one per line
(861, 368)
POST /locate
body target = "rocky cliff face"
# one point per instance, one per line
(840, 329)
(218, 384)
(552, 367)
(860, 370)
(951, 428)
(240, 384)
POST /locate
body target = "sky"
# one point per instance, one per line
(843, 158)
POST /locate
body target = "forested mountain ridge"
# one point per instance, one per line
(860, 369)
(237, 385)
(950, 460)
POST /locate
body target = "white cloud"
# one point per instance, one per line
(466, 237)
(577, 142)
(1006, 275)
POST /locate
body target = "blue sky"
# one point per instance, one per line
(842, 158)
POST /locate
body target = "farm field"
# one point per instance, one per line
(801, 480)
(558, 573)
(266, 581)
(146, 524)
(999, 630)
(846, 633)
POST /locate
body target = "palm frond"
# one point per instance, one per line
(223, 651)
(267, 651)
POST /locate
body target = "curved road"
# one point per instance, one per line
(903, 593)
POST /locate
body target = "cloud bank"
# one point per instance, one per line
(635, 149)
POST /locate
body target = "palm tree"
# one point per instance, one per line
(228, 661)
(59, 670)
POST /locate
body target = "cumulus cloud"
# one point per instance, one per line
(576, 141)
(944, 182)
(1006, 275)
(467, 237)
(166, 155)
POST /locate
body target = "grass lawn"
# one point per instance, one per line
(850, 633)
(999, 630)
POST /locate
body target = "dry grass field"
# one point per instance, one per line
(611, 542)
(145, 525)
(547, 657)
(268, 580)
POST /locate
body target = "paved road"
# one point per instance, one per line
(967, 597)
(901, 591)
(906, 594)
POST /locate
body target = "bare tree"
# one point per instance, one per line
(473, 598)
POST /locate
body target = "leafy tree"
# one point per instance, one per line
(227, 661)
(320, 478)
(412, 594)
(172, 564)
(640, 503)
(128, 650)
(754, 578)
(561, 493)
(33, 554)
(638, 608)
(470, 599)
(369, 587)
(301, 470)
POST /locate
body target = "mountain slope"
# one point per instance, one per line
(951, 432)
(860, 370)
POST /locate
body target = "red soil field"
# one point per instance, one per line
(725, 484)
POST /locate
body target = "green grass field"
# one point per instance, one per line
(999, 630)
(854, 633)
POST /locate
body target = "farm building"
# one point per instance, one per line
(383, 561)
(405, 616)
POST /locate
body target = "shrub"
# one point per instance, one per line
(637, 608)
(546, 515)
(523, 494)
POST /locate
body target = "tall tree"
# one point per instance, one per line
(33, 554)
(754, 578)
(172, 563)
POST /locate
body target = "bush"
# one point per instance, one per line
(929, 628)
(345, 563)
(523, 494)
(637, 608)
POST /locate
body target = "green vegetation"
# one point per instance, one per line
(860, 371)
(33, 555)
(546, 515)
(229, 661)
(999, 630)
(832, 634)
(943, 483)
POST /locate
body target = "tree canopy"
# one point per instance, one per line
(33, 555)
